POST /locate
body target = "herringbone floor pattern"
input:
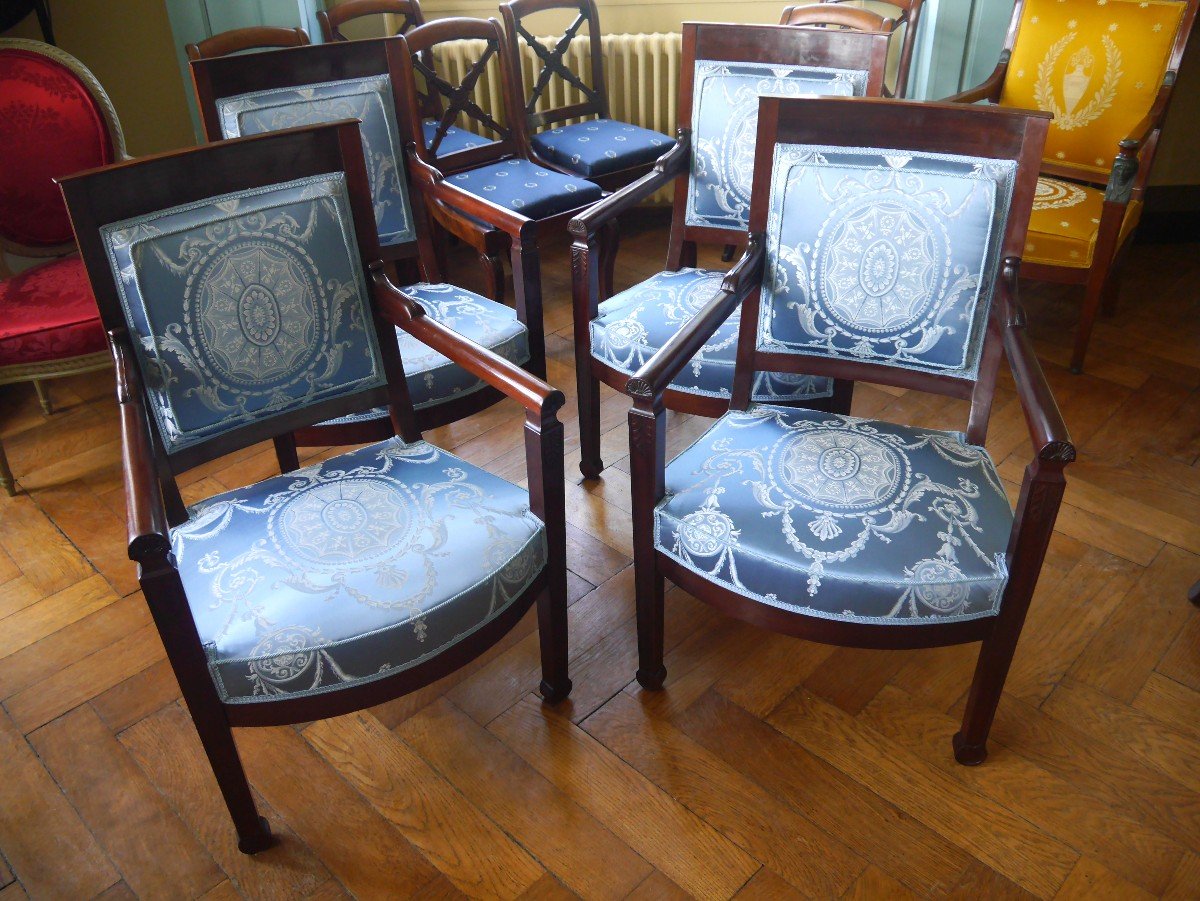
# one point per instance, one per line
(769, 767)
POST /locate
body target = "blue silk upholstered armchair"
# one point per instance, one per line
(241, 288)
(724, 70)
(238, 95)
(885, 242)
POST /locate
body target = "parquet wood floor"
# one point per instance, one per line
(768, 768)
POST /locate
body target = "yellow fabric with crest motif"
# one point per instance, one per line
(1096, 65)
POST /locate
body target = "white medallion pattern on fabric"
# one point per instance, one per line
(725, 129)
(1083, 68)
(245, 305)
(882, 255)
(344, 571)
(878, 522)
(367, 99)
(1053, 194)
(631, 327)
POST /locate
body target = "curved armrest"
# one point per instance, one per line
(649, 382)
(402, 311)
(1047, 429)
(988, 89)
(146, 516)
(666, 169)
(1139, 134)
(434, 184)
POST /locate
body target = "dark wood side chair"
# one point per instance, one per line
(242, 291)
(1106, 71)
(239, 96)
(906, 18)
(238, 40)
(331, 20)
(599, 148)
(491, 195)
(723, 70)
(49, 324)
(885, 245)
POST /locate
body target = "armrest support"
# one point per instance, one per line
(652, 380)
(1047, 429)
(146, 516)
(537, 397)
(666, 169)
(989, 89)
(1122, 179)
(434, 184)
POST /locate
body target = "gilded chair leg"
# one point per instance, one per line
(493, 276)
(285, 452)
(43, 396)
(527, 289)
(7, 482)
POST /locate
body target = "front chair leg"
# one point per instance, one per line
(1093, 295)
(610, 243)
(552, 639)
(647, 441)
(527, 289)
(7, 482)
(493, 276)
(43, 396)
(588, 387)
(285, 452)
(254, 833)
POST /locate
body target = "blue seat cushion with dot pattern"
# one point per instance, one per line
(352, 569)
(600, 146)
(840, 518)
(454, 140)
(633, 325)
(432, 378)
(526, 188)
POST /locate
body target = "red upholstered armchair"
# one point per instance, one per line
(55, 120)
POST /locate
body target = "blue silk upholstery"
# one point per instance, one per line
(883, 256)
(432, 378)
(839, 518)
(352, 569)
(366, 99)
(725, 129)
(245, 305)
(634, 324)
(525, 188)
(454, 140)
(600, 146)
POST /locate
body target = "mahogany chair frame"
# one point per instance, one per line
(909, 17)
(488, 228)
(1126, 182)
(832, 15)
(230, 76)
(39, 373)
(942, 128)
(331, 20)
(736, 43)
(257, 37)
(554, 62)
(154, 504)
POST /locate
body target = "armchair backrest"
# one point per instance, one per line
(235, 273)
(885, 226)
(239, 40)
(422, 84)
(238, 96)
(1099, 68)
(332, 19)
(554, 61)
(725, 69)
(55, 119)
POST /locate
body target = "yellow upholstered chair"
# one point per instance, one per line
(1105, 69)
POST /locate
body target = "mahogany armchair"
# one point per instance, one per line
(49, 324)
(885, 245)
(238, 96)
(724, 70)
(905, 19)
(243, 296)
(331, 20)
(1106, 72)
(491, 196)
(238, 40)
(600, 148)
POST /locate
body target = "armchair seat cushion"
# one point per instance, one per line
(633, 325)
(526, 188)
(432, 378)
(839, 518)
(1065, 222)
(454, 140)
(600, 146)
(352, 569)
(48, 313)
